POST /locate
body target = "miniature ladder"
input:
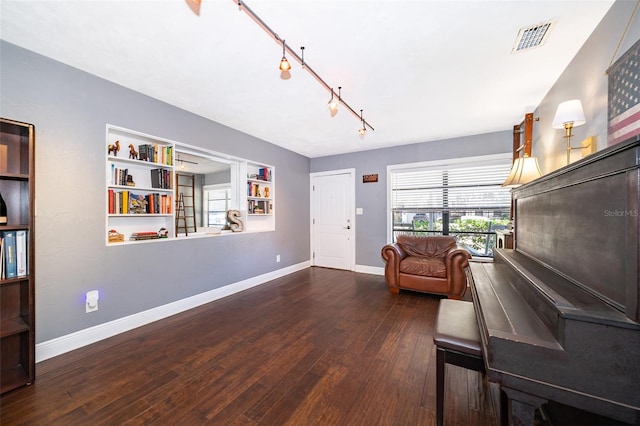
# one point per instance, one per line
(186, 199)
(180, 216)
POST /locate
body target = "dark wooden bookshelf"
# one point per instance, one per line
(17, 294)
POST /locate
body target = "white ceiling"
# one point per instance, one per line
(421, 70)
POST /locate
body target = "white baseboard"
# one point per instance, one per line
(374, 270)
(78, 339)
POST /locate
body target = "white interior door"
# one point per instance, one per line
(332, 219)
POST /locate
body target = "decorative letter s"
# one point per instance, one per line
(235, 223)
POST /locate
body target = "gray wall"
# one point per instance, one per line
(371, 226)
(585, 78)
(70, 109)
(218, 178)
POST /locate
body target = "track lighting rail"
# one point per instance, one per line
(305, 65)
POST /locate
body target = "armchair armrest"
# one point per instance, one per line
(392, 255)
(457, 259)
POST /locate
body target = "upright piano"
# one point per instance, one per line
(559, 315)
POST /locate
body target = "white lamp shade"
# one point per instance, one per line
(569, 112)
(524, 170)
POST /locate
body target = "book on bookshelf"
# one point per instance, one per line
(120, 176)
(145, 152)
(111, 209)
(264, 173)
(156, 153)
(21, 253)
(10, 261)
(2, 268)
(161, 178)
(125, 202)
(139, 236)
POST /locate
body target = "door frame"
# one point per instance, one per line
(352, 188)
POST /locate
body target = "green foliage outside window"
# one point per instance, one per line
(464, 228)
(423, 225)
(475, 241)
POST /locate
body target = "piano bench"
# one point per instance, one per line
(457, 341)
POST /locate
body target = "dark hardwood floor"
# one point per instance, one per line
(319, 346)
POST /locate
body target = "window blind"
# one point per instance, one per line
(454, 187)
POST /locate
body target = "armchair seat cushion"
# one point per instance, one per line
(427, 266)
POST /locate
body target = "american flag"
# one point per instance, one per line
(624, 96)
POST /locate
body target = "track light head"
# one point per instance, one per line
(285, 66)
(333, 105)
(362, 131)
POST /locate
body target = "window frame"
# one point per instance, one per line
(437, 165)
(227, 187)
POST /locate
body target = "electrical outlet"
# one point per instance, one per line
(277, 258)
(91, 301)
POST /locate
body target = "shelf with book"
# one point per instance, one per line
(260, 197)
(140, 187)
(17, 285)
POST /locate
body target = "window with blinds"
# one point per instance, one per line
(217, 199)
(464, 198)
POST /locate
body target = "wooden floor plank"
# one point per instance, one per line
(318, 346)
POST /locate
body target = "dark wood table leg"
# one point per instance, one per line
(440, 366)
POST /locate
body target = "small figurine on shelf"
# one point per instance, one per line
(115, 147)
(115, 237)
(163, 233)
(130, 181)
(133, 154)
(266, 192)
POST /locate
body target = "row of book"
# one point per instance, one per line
(156, 153)
(13, 254)
(264, 174)
(140, 236)
(259, 207)
(127, 202)
(254, 190)
(150, 235)
(161, 178)
(120, 176)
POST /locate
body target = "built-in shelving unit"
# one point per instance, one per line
(260, 197)
(140, 187)
(17, 285)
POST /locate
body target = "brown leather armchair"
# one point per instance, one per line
(429, 264)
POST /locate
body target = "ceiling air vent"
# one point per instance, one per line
(533, 36)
